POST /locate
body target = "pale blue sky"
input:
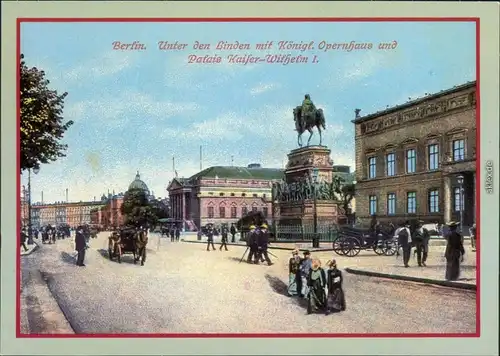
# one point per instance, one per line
(136, 110)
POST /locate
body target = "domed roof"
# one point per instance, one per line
(137, 183)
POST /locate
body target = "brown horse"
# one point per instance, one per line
(300, 127)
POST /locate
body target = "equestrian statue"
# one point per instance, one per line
(306, 117)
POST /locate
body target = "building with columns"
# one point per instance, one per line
(221, 195)
(411, 159)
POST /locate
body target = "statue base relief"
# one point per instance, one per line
(301, 164)
(302, 161)
(302, 213)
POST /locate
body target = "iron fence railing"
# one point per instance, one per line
(325, 233)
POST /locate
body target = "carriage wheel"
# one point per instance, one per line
(379, 248)
(337, 246)
(351, 247)
(390, 248)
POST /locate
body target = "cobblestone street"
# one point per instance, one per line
(184, 288)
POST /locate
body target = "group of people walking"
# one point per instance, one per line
(257, 244)
(419, 238)
(323, 290)
(174, 233)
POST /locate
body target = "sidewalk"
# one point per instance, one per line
(323, 246)
(31, 248)
(434, 273)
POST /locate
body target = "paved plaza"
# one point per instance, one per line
(185, 289)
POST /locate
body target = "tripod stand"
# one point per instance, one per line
(244, 253)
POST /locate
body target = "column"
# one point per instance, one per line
(176, 206)
(447, 198)
(183, 206)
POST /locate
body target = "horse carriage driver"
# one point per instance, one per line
(115, 240)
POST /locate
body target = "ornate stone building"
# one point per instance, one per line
(221, 195)
(409, 158)
(58, 213)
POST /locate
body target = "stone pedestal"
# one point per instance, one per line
(302, 213)
(301, 163)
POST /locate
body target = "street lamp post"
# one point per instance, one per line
(315, 209)
(30, 228)
(460, 180)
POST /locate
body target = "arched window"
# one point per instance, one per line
(210, 210)
(222, 210)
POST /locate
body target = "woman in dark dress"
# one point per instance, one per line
(316, 283)
(293, 274)
(336, 298)
(454, 253)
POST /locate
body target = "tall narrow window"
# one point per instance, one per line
(372, 167)
(373, 204)
(459, 150)
(222, 212)
(433, 157)
(210, 212)
(254, 209)
(244, 211)
(233, 212)
(391, 204)
(265, 211)
(411, 202)
(391, 164)
(411, 160)
(434, 201)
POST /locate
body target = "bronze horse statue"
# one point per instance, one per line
(307, 123)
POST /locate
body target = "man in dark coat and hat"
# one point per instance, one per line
(420, 240)
(80, 246)
(252, 243)
(141, 243)
(233, 232)
(454, 253)
(210, 238)
(262, 244)
(404, 241)
(223, 241)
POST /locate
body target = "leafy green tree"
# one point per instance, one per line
(42, 126)
(346, 192)
(160, 209)
(137, 210)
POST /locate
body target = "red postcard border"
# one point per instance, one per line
(256, 335)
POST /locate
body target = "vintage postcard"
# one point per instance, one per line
(230, 177)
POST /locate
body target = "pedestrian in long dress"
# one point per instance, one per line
(304, 269)
(335, 296)
(294, 274)
(316, 282)
(177, 234)
(454, 253)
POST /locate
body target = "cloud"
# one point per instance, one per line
(262, 88)
(108, 64)
(116, 109)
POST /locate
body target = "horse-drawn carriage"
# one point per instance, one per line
(352, 240)
(128, 240)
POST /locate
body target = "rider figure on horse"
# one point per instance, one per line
(308, 109)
